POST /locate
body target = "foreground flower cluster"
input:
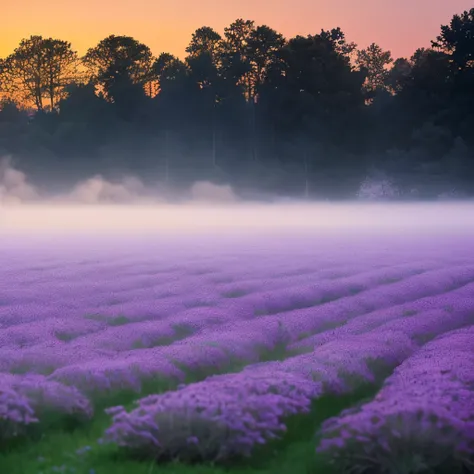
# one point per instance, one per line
(217, 419)
(228, 415)
(31, 399)
(422, 418)
(427, 404)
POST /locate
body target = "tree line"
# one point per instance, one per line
(307, 115)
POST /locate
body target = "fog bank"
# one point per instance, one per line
(347, 218)
(128, 206)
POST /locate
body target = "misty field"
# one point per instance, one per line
(250, 354)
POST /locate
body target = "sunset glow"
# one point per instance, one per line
(401, 26)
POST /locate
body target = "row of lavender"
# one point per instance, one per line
(353, 352)
(228, 415)
(42, 345)
(417, 305)
(422, 418)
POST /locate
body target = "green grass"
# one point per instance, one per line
(390, 280)
(237, 293)
(118, 320)
(355, 290)
(181, 331)
(23, 368)
(64, 336)
(296, 305)
(200, 303)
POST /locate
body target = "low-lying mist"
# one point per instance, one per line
(98, 205)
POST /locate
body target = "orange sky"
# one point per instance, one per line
(398, 25)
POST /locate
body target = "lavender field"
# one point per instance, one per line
(282, 353)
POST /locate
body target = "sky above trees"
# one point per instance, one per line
(400, 27)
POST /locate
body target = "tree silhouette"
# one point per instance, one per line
(235, 53)
(117, 56)
(40, 68)
(457, 39)
(338, 40)
(204, 41)
(170, 72)
(312, 81)
(10, 113)
(399, 75)
(457, 42)
(263, 47)
(374, 61)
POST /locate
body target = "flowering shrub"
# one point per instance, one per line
(403, 438)
(49, 396)
(15, 413)
(32, 398)
(423, 417)
(214, 420)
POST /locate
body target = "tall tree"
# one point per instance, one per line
(61, 64)
(264, 44)
(339, 42)
(234, 53)
(374, 60)
(313, 88)
(399, 75)
(119, 56)
(175, 88)
(170, 72)
(237, 35)
(204, 41)
(203, 64)
(248, 50)
(457, 39)
(40, 68)
(430, 78)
